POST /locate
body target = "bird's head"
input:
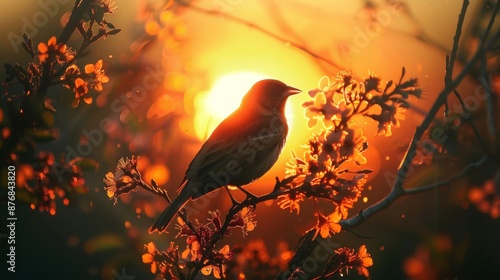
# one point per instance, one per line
(268, 95)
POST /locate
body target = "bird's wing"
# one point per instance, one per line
(239, 143)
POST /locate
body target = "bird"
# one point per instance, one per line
(242, 148)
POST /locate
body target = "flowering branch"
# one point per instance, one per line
(397, 189)
(320, 174)
(29, 114)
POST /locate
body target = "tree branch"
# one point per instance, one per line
(397, 189)
(263, 30)
(78, 9)
(466, 170)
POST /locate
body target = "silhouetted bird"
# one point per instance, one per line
(241, 149)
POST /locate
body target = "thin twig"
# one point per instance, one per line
(263, 30)
(471, 122)
(456, 39)
(490, 113)
(450, 60)
(490, 25)
(277, 17)
(397, 189)
(466, 170)
(78, 9)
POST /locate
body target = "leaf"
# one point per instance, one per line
(110, 25)
(313, 92)
(307, 104)
(86, 164)
(49, 107)
(324, 83)
(401, 101)
(48, 118)
(28, 45)
(99, 15)
(364, 171)
(113, 32)
(410, 83)
(388, 85)
(415, 92)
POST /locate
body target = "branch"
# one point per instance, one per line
(263, 30)
(466, 170)
(471, 122)
(76, 14)
(490, 113)
(397, 189)
(456, 39)
(490, 25)
(450, 60)
(155, 189)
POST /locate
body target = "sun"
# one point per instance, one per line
(221, 100)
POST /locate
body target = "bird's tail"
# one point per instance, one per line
(166, 217)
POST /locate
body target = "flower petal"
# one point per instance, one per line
(151, 248)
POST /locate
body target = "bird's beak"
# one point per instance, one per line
(291, 90)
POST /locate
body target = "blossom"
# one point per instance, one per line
(52, 49)
(220, 257)
(354, 144)
(150, 256)
(348, 192)
(291, 200)
(346, 144)
(71, 73)
(108, 6)
(328, 224)
(362, 260)
(390, 116)
(80, 88)
(215, 270)
(123, 180)
(97, 72)
(372, 84)
(296, 166)
(192, 252)
(345, 79)
(244, 220)
(333, 140)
